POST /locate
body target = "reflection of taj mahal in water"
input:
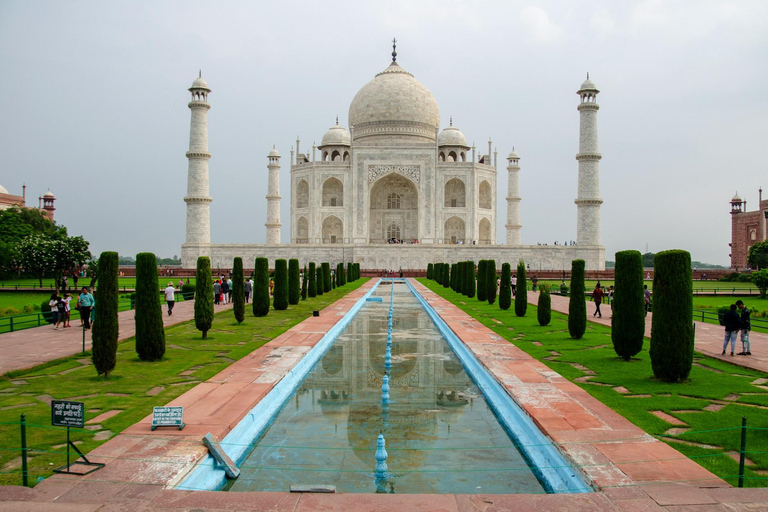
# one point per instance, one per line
(394, 176)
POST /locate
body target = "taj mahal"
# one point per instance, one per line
(394, 190)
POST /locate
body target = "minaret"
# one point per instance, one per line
(273, 198)
(198, 199)
(588, 200)
(513, 200)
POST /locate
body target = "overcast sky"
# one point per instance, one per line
(95, 107)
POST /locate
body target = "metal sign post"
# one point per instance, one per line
(65, 413)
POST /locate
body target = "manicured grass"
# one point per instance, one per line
(698, 286)
(72, 377)
(20, 299)
(741, 392)
(123, 282)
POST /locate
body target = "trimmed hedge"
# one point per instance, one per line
(672, 331)
(150, 334)
(312, 280)
(628, 318)
(490, 283)
(261, 287)
(350, 276)
(304, 284)
(577, 305)
(320, 280)
(326, 277)
(280, 291)
(482, 277)
(521, 290)
(203, 296)
(544, 310)
(471, 279)
(430, 267)
(294, 287)
(105, 327)
(238, 290)
(505, 288)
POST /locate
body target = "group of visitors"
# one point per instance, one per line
(61, 309)
(222, 291)
(735, 323)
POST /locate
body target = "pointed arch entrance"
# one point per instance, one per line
(394, 208)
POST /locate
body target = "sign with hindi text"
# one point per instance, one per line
(168, 417)
(67, 414)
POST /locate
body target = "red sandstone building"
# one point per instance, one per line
(45, 202)
(747, 228)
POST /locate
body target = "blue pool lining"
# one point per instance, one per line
(207, 476)
(546, 461)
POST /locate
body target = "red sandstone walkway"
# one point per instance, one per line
(709, 337)
(633, 471)
(30, 347)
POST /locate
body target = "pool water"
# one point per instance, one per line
(441, 435)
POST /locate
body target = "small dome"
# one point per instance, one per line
(513, 154)
(587, 86)
(451, 136)
(48, 194)
(273, 153)
(3, 190)
(199, 83)
(336, 136)
(736, 198)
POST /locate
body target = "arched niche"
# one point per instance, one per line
(455, 193)
(394, 199)
(333, 192)
(333, 230)
(485, 231)
(302, 194)
(484, 195)
(302, 230)
(455, 230)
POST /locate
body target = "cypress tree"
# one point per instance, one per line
(350, 275)
(672, 330)
(430, 267)
(150, 334)
(203, 296)
(326, 277)
(261, 287)
(446, 275)
(280, 291)
(294, 288)
(490, 284)
(461, 269)
(521, 291)
(544, 311)
(105, 327)
(319, 280)
(482, 270)
(628, 319)
(238, 290)
(577, 305)
(471, 279)
(343, 274)
(438, 273)
(453, 277)
(505, 288)
(304, 284)
(334, 275)
(311, 279)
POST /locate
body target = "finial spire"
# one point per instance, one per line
(451, 121)
(199, 73)
(394, 49)
(337, 120)
(587, 75)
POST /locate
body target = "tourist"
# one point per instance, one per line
(67, 299)
(86, 302)
(610, 298)
(53, 304)
(745, 325)
(732, 326)
(170, 297)
(74, 278)
(224, 290)
(216, 292)
(535, 282)
(597, 296)
(647, 297)
(248, 288)
(513, 283)
(181, 283)
(272, 286)
(229, 288)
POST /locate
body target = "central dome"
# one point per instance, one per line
(396, 105)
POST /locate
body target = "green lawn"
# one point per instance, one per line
(129, 387)
(698, 286)
(123, 282)
(714, 384)
(20, 299)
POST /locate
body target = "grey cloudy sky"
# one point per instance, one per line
(95, 106)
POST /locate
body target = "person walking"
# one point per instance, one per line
(170, 297)
(67, 299)
(732, 326)
(224, 290)
(216, 292)
(746, 325)
(229, 289)
(513, 284)
(247, 288)
(53, 303)
(647, 295)
(535, 282)
(597, 296)
(86, 302)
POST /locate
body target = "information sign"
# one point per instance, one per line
(67, 414)
(168, 417)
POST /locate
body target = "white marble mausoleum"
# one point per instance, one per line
(394, 190)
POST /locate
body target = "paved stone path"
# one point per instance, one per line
(30, 347)
(709, 337)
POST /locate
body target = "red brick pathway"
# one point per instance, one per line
(30, 347)
(633, 471)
